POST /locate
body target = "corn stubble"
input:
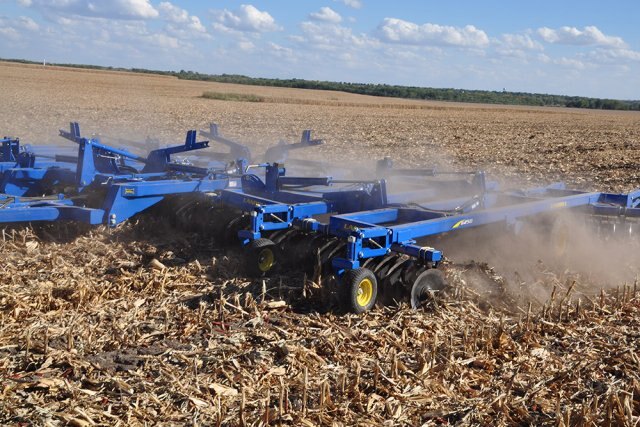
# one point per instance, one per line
(105, 329)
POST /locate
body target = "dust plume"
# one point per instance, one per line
(563, 251)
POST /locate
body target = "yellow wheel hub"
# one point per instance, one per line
(365, 292)
(266, 259)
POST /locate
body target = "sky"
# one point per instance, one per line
(564, 47)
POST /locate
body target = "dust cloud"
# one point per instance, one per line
(563, 251)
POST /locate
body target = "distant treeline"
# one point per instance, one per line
(426, 93)
(408, 92)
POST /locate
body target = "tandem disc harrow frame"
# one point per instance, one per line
(370, 239)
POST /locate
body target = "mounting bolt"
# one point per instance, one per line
(361, 235)
(254, 214)
(112, 219)
(360, 254)
(351, 239)
(290, 208)
(261, 227)
(388, 251)
(390, 232)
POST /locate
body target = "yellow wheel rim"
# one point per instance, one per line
(266, 258)
(365, 292)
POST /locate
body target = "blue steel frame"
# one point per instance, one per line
(390, 223)
(279, 201)
(276, 153)
(125, 183)
(15, 155)
(376, 233)
(372, 222)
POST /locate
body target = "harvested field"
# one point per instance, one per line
(147, 325)
(589, 148)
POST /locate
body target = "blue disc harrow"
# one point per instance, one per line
(370, 239)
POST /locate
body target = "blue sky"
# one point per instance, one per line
(587, 48)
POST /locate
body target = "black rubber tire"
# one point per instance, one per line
(427, 282)
(352, 285)
(261, 257)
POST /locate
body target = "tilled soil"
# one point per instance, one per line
(148, 325)
(116, 327)
(590, 149)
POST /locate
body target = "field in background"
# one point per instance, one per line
(93, 331)
(590, 148)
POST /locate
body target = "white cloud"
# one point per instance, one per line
(570, 63)
(112, 40)
(281, 51)
(326, 14)
(562, 61)
(356, 4)
(589, 36)
(614, 55)
(246, 19)
(181, 24)
(9, 33)
(544, 58)
(173, 13)
(135, 34)
(330, 47)
(395, 30)
(633, 55)
(28, 23)
(296, 38)
(191, 30)
(196, 25)
(520, 41)
(163, 41)
(115, 9)
(516, 46)
(25, 3)
(246, 45)
(327, 36)
(17, 29)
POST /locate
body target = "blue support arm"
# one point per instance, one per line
(74, 135)
(236, 150)
(279, 153)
